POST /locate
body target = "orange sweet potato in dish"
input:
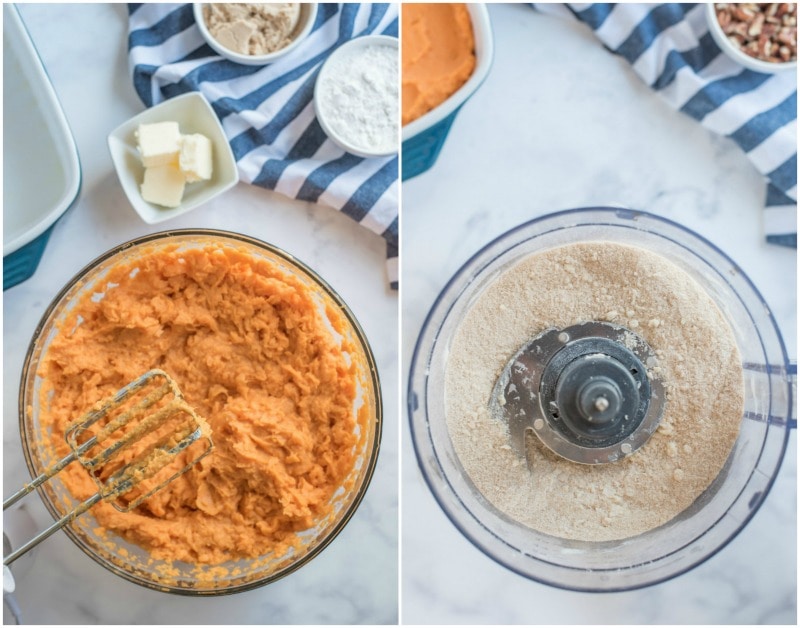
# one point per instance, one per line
(438, 55)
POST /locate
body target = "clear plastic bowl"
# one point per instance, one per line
(717, 515)
(131, 561)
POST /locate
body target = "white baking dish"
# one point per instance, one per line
(41, 169)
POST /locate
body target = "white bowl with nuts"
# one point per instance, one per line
(760, 37)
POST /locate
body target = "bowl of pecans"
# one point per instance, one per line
(760, 36)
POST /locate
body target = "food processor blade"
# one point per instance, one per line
(592, 393)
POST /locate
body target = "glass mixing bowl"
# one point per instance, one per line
(131, 561)
(715, 517)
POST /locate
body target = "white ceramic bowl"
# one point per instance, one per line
(194, 114)
(324, 76)
(735, 53)
(308, 15)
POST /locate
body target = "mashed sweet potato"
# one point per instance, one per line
(438, 55)
(256, 356)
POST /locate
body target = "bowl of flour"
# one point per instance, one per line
(356, 96)
(702, 474)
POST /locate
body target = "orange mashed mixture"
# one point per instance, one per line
(438, 55)
(253, 354)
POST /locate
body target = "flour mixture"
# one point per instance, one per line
(357, 91)
(698, 363)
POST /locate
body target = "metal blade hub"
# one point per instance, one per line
(583, 390)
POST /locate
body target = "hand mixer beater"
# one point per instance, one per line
(132, 444)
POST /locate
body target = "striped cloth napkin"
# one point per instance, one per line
(670, 47)
(267, 111)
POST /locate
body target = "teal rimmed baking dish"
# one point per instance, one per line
(41, 169)
(424, 137)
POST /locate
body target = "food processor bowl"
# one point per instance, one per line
(133, 562)
(715, 517)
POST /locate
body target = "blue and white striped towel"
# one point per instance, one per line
(670, 47)
(267, 111)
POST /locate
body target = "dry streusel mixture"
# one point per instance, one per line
(699, 363)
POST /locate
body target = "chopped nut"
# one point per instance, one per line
(741, 12)
(754, 29)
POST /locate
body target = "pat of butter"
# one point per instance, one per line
(195, 157)
(171, 160)
(159, 143)
(163, 185)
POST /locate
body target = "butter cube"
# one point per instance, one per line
(195, 157)
(159, 143)
(163, 185)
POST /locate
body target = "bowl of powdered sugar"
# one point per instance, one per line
(535, 344)
(356, 96)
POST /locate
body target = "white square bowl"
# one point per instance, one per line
(194, 114)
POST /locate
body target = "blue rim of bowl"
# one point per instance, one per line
(412, 403)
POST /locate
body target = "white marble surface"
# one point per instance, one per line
(560, 123)
(355, 579)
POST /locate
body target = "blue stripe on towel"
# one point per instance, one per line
(252, 138)
(662, 17)
(258, 105)
(370, 191)
(777, 197)
(392, 29)
(305, 147)
(717, 92)
(595, 15)
(173, 23)
(784, 176)
(322, 177)
(142, 75)
(731, 96)
(697, 58)
(377, 11)
(760, 127)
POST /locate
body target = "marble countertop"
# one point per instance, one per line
(355, 579)
(560, 123)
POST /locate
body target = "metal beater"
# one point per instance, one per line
(158, 419)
